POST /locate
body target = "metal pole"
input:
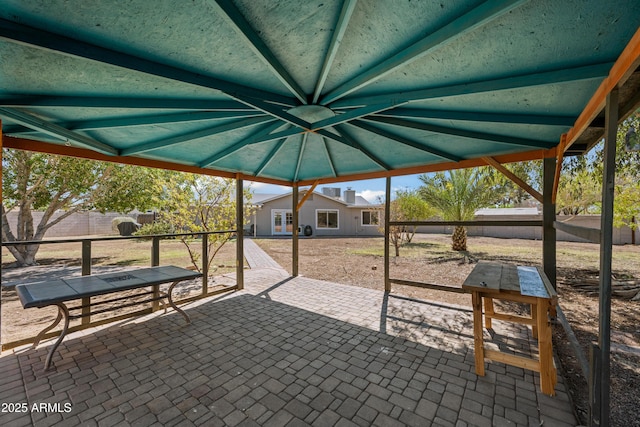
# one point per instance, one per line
(387, 219)
(294, 239)
(205, 264)
(155, 261)
(548, 218)
(86, 271)
(239, 233)
(602, 376)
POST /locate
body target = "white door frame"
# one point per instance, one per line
(283, 215)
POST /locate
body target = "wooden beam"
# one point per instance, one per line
(513, 177)
(294, 232)
(83, 153)
(437, 167)
(627, 62)
(472, 223)
(556, 176)
(306, 196)
(387, 221)
(444, 288)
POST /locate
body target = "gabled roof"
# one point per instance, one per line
(261, 199)
(300, 91)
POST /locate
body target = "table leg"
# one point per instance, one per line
(172, 304)
(62, 310)
(47, 329)
(534, 316)
(476, 300)
(488, 312)
(545, 346)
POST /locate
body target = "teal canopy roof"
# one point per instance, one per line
(303, 90)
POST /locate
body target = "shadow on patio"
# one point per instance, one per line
(283, 352)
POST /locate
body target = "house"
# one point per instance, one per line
(322, 214)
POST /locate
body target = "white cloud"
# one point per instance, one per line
(372, 195)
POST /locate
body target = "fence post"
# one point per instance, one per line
(205, 264)
(155, 261)
(86, 271)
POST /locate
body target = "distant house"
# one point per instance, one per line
(322, 214)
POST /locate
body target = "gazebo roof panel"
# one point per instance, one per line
(223, 84)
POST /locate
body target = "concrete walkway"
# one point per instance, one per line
(283, 352)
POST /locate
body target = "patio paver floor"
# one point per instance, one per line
(285, 351)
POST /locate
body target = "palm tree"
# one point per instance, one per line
(457, 195)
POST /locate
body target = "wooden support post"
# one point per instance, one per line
(545, 347)
(548, 219)
(239, 232)
(294, 231)
(478, 341)
(205, 264)
(155, 261)
(602, 399)
(387, 220)
(86, 271)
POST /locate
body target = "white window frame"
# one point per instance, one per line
(371, 211)
(337, 211)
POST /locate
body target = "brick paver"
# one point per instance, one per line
(283, 352)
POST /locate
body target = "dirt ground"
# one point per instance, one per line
(359, 262)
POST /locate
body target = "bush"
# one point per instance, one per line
(119, 220)
(154, 228)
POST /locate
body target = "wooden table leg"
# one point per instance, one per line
(476, 300)
(534, 316)
(545, 347)
(488, 311)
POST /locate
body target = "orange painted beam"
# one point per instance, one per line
(438, 167)
(306, 195)
(83, 153)
(626, 64)
(514, 178)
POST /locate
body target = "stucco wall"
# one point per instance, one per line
(349, 218)
(621, 236)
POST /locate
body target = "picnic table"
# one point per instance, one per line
(528, 285)
(59, 292)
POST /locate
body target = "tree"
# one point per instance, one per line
(198, 203)
(36, 181)
(457, 194)
(407, 206)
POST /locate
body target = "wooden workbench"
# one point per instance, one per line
(527, 285)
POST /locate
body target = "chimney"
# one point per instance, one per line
(350, 196)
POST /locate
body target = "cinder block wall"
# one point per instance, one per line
(78, 224)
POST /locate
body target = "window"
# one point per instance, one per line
(370, 218)
(327, 218)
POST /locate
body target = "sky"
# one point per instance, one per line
(370, 189)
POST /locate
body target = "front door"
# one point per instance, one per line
(281, 221)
